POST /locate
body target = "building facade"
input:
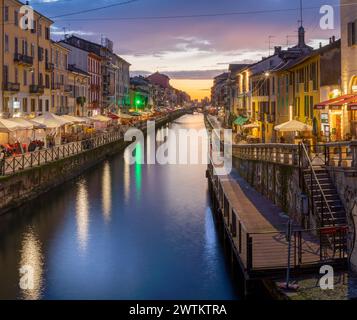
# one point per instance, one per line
(79, 82)
(26, 69)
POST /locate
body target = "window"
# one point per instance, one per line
(40, 54)
(39, 31)
(40, 107)
(33, 105)
(48, 33)
(16, 18)
(47, 105)
(16, 45)
(6, 14)
(352, 39)
(47, 81)
(24, 104)
(6, 43)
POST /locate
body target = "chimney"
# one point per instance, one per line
(277, 50)
(333, 39)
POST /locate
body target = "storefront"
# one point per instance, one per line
(338, 118)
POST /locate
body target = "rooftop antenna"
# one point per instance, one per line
(270, 43)
(301, 14)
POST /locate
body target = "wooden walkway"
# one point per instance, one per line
(258, 229)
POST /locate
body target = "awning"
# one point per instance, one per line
(240, 121)
(292, 126)
(336, 103)
(100, 118)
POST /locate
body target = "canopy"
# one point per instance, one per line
(73, 119)
(292, 126)
(10, 126)
(100, 118)
(240, 121)
(51, 121)
(251, 126)
(29, 124)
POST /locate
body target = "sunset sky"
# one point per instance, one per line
(191, 41)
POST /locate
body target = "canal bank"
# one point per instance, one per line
(120, 232)
(38, 173)
(256, 228)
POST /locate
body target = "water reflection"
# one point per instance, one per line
(31, 266)
(138, 168)
(82, 216)
(107, 192)
(126, 180)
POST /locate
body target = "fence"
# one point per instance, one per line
(14, 164)
(339, 154)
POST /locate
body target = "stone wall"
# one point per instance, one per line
(278, 182)
(345, 181)
(23, 186)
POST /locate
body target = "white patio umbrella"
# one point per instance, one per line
(100, 118)
(7, 126)
(51, 121)
(74, 119)
(293, 126)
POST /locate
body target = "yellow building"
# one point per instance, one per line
(25, 85)
(312, 79)
(60, 86)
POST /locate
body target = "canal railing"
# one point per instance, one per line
(261, 252)
(14, 164)
(338, 154)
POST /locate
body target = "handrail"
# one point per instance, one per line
(318, 183)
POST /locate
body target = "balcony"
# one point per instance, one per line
(37, 89)
(23, 59)
(49, 66)
(11, 87)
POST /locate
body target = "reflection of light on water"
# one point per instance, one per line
(138, 168)
(126, 177)
(107, 192)
(31, 256)
(210, 242)
(82, 216)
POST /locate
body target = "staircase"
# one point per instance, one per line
(328, 218)
(326, 207)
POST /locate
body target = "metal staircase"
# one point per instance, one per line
(325, 206)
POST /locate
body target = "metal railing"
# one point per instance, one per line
(24, 161)
(339, 154)
(304, 157)
(262, 251)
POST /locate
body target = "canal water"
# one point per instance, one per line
(118, 231)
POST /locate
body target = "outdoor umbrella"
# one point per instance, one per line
(74, 119)
(9, 126)
(292, 126)
(100, 118)
(51, 121)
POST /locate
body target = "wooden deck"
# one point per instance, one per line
(258, 221)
